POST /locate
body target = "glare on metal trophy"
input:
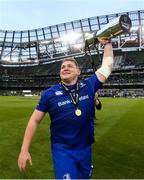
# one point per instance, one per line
(118, 26)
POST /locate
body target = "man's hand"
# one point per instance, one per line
(104, 40)
(22, 160)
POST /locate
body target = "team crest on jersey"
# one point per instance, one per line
(67, 176)
(57, 93)
(82, 84)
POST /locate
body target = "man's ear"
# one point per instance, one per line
(79, 71)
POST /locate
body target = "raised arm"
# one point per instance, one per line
(107, 63)
(24, 155)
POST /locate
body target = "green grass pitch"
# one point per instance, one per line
(117, 154)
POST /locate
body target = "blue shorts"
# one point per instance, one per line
(72, 164)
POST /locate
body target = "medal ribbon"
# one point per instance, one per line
(75, 99)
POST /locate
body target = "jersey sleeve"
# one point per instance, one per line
(43, 104)
(94, 83)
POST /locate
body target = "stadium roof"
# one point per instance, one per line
(66, 39)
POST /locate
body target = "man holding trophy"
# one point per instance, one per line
(70, 105)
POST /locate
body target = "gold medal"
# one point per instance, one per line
(78, 112)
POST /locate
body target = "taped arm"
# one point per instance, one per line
(107, 63)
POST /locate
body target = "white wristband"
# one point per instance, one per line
(105, 70)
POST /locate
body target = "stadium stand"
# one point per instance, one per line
(30, 60)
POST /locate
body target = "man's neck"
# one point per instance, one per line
(67, 83)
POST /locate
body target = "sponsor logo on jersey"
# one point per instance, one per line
(81, 98)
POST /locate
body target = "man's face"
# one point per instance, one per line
(69, 71)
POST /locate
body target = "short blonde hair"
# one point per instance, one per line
(72, 59)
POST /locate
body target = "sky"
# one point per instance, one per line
(33, 14)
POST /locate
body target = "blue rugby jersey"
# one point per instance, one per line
(69, 131)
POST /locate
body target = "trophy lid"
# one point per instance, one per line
(125, 22)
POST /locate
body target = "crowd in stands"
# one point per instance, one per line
(45, 75)
(125, 93)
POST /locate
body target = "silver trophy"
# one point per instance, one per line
(118, 26)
